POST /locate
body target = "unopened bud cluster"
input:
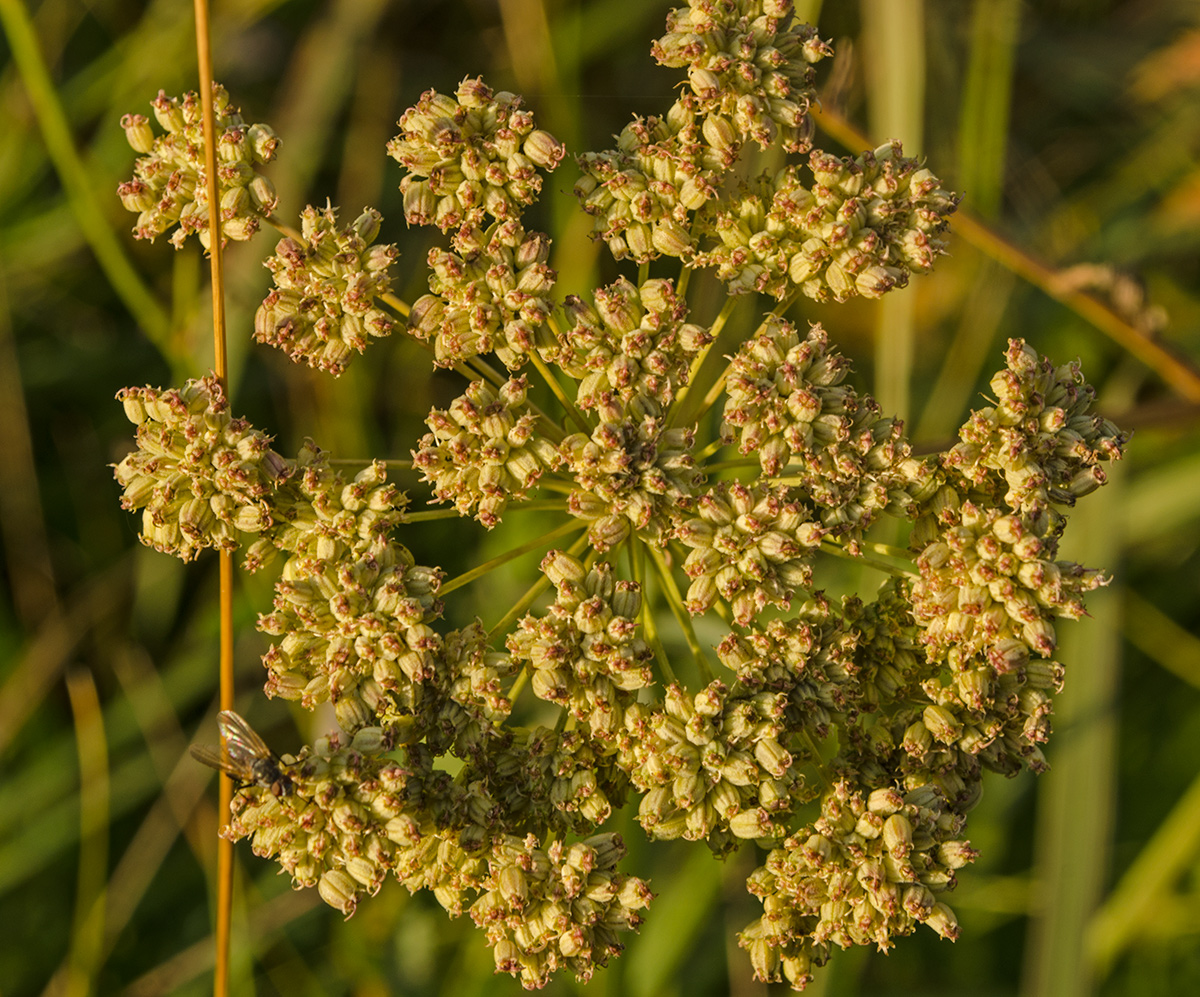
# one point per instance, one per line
(868, 870)
(711, 766)
(864, 225)
(169, 186)
(352, 632)
(1041, 444)
(321, 515)
(788, 403)
(750, 67)
(644, 193)
(201, 477)
(632, 342)
(485, 450)
(750, 546)
(470, 156)
(332, 830)
(557, 907)
(322, 307)
(491, 294)
(633, 474)
(584, 653)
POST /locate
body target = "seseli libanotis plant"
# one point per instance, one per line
(846, 739)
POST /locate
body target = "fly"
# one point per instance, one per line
(244, 756)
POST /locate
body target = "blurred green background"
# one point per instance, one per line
(1073, 127)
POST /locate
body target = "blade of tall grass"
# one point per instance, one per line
(987, 95)
(22, 524)
(39, 665)
(170, 975)
(87, 930)
(894, 38)
(76, 177)
(1132, 907)
(1076, 798)
(983, 132)
(968, 355)
(680, 912)
(1162, 500)
(1155, 634)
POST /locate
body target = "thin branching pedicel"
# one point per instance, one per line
(846, 739)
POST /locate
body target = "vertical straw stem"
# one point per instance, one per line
(221, 369)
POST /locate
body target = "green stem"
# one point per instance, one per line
(637, 559)
(519, 682)
(400, 305)
(430, 515)
(482, 367)
(707, 451)
(643, 273)
(724, 465)
(681, 285)
(676, 414)
(538, 505)
(675, 602)
(552, 383)
(536, 589)
(784, 304)
(816, 759)
(392, 465)
(557, 484)
(831, 547)
(469, 576)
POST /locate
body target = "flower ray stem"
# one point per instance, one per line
(675, 602)
(815, 751)
(685, 277)
(399, 304)
(708, 451)
(391, 465)
(724, 465)
(676, 415)
(554, 483)
(836, 550)
(283, 229)
(785, 303)
(431, 515)
(469, 576)
(474, 365)
(569, 407)
(637, 557)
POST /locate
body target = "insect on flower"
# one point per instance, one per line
(244, 756)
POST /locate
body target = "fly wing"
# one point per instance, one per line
(217, 759)
(242, 744)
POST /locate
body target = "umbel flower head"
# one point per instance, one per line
(846, 738)
(471, 157)
(485, 451)
(169, 186)
(492, 293)
(322, 307)
(584, 653)
(861, 228)
(749, 68)
(201, 477)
